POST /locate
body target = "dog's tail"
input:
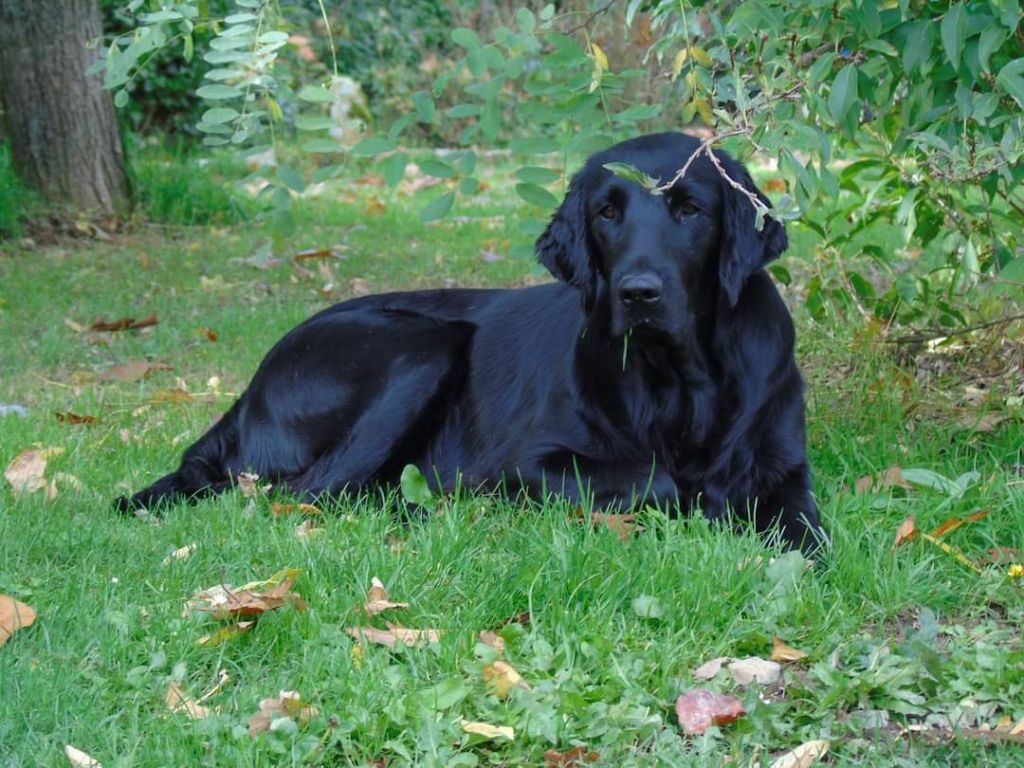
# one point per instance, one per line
(206, 468)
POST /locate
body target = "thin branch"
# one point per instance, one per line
(939, 333)
(590, 19)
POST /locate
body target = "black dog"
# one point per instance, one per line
(659, 368)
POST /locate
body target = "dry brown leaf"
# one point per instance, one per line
(947, 526)
(287, 704)
(501, 677)
(783, 652)
(225, 602)
(124, 324)
(314, 253)
(394, 635)
(133, 370)
(279, 510)
(249, 484)
(375, 206)
(76, 327)
(67, 417)
(623, 525)
(710, 669)
(173, 396)
(209, 333)
(226, 634)
(906, 532)
(26, 472)
(181, 553)
(804, 756)
(573, 757)
(307, 529)
(377, 600)
(487, 730)
(179, 701)
(1018, 729)
(80, 759)
(753, 670)
(14, 615)
(496, 641)
(890, 478)
(698, 709)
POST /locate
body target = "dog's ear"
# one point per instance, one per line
(744, 250)
(563, 250)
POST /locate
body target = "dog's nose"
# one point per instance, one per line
(640, 289)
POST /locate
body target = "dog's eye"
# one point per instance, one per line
(681, 208)
(609, 213)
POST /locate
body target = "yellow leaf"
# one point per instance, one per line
(502, 677)
(275, 110)
(704, 110)
(599, 56)
(677, 63)
(14, 615)
(783, 652)
(700, 56)
(488, 731)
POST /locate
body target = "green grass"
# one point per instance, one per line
(94, 669)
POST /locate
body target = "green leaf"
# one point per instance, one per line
(634, 174)
(926, 478)
(240, 18)
(466, 38)
(647, 607)
(159, 16)
(218, 91)
(188, 47)
(438, 207)
(533, 174)
(219, 115)
(468, 186)
(225, 74)
(526, 21)
(437, 168)
(327, 172)
(843, 93)
(316, 94)
(534, 146)
(425, 109)
(214, 141)
(373, 145)
(225, 57)
(314, 122)
(445, 694)
(1011, 80)
(121, 99)
(464, 110)
(291, 178)
(394, 168)
(415, 489)
(989, 43)
(321, 146)
(273, 37)
(536, 195)
(954, 33)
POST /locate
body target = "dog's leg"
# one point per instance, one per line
(790, 509)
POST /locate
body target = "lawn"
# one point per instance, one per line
(914, 654)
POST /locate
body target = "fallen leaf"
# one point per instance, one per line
(209, 333)
(133, 370)
(176, 395)
(26, 472)
(395, 635)
(489, 256)
(987, 422)
(501, 677)
(76, 327)
(997, 555)
(359, 287)
(249, 484)
(314, 253)
(783, 652)
(710, 669)
(377, 600)
(307, 529)
(804, 756)
(225, 602)
(124, 324)
(1018, 729)
(755, 670)
(80, 759)
(698, 709)
(279, 510)
(181, 553)
(950, 525)
(488, 731)
(287, 704)
(14, 615)
(890, 478)
(179, 701)
(226, 634)
(496, 641)
(66, 417)
(623, 525)
(573, 757)
(374, 205)
(906, 532)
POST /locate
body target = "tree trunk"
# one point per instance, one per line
(64, 137)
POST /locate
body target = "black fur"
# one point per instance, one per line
(660, 368)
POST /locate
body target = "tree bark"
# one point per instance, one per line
(60, 121)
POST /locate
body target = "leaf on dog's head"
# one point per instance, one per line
(698, 709)
(634, 174)
(377, 600)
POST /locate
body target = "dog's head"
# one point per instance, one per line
(658, 260)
